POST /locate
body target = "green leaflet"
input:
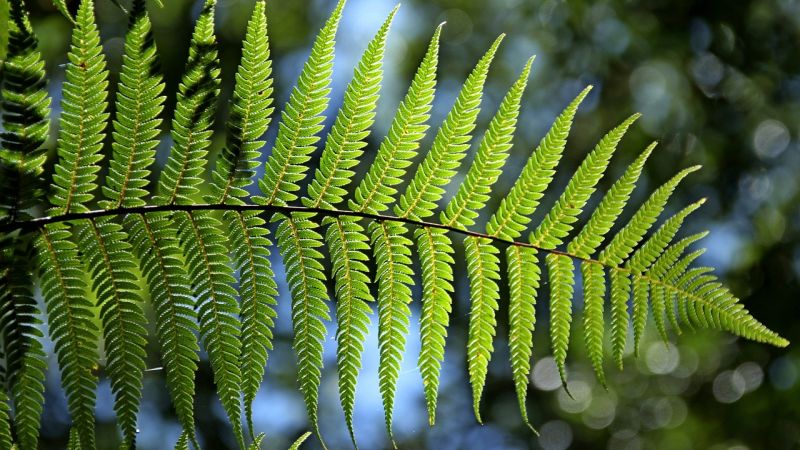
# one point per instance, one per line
(220, 328)
(348, 243)
(299, 243)
(473, 194)
(136, 125)
(156, 245)
(111, 264)
(483, 269)
(376, 191)
(300, 440)
(301, 119)
(594, 293)
(347, 137)
(84, 119)
(26, 117)
(249, 246)
(250, 116)
(181, 177)
(561, 278)
(512, 217)
(620, 292)
(435, 250)
(523, 284)
(71, 325)
(449, 146)
(392, 251)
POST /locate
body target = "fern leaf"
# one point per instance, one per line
(623, 242)
(83, 120)
(483, 269)
(594, 292)
(562, 280)
(110, 262)
(523, 285)
(61, 5)
(449, 146)
(71, 325)
(250, 113)
(435, 251)
(473, 194)
(249, 246)
(558, 222)
(620, 292)
(348, 243)
(346, 139)
(256, 444)
(156, 246)
(181, 177)
(659, 302)
(26, 110)
(298, 243)
(610, 208)
(392, 256)
(301, 120)
(136, 125)
(376, 191)
(211, 274)
(512, 217)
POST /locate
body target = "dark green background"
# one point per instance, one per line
(718, 84)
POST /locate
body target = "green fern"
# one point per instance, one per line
(191, 256)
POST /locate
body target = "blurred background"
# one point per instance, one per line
(718, 84)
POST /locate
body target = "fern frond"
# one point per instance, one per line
(298, 243)
(641, 293)
(156, 245)
(301, 119)
(111, 266)
(449, 146)
(250, 115)
(346, 139)
(523, 285)
(136, 125)
(512, 217)
(392, 251)
(623, 242)
(435, 253)
(26, 109)
(83, 120)
(483, 270)
(473, 194)
(181, 177)
(376, 191)
(610, 208)
(212, 277)
(71, 325)
(348, 243)
(594, 293)
(256, 444)
(558, 222)
(562, 279)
